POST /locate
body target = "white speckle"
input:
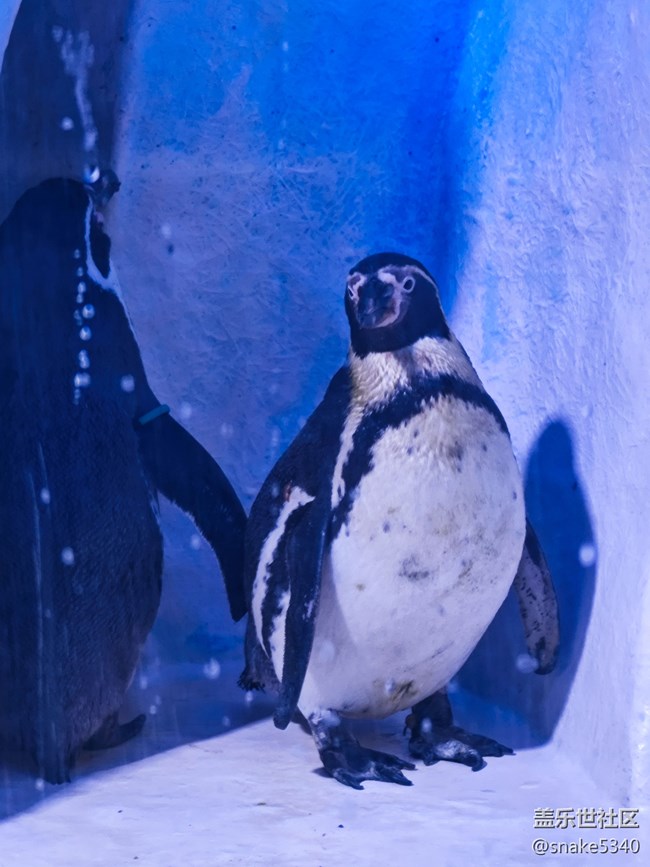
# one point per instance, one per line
(166, 230)
(39, 784)
(195, 541)
(143, 681)
(67, 557)
(389, 687)
(88, 311)
(326, 651)
(185, 410)
(127, 383)
(587, 554)
(226, 430)
(85, 333)
(84, 360)
(248, 698)
(212, 669)
(45, 496)
(81, 380)
(225, 722)
(153, 710)
(426, 725)
(275, 490)
(67, 124)
(525, 663)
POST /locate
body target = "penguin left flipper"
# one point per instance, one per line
(294, 506)
(434, 738)
(186, 474)
(533, 585)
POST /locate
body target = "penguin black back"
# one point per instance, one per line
(84, 448)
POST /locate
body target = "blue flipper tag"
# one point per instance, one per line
(153, 414)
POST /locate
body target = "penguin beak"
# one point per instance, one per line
(375, 304)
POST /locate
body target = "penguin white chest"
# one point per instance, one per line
(421, 564)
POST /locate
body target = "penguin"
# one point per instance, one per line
(85, 450)
(386, 537)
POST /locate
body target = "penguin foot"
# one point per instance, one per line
(351, 764)
(347, 761)
(434, 738)
(112, 734)
(454, 744)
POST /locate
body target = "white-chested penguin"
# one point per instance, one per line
(84, 448)
(387, 536)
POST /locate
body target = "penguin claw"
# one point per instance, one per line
(351, 764)
(453, 744)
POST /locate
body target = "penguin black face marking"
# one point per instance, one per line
(391, 301)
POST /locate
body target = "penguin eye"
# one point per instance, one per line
(408, 285)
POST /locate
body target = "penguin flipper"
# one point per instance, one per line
(537, 603)
(304, 560)
(294, 506)
(184, 472)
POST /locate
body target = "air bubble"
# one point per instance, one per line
(195, 541)
(85, 333)
(525, 663)
(185, 410)
(82, 380)
(45, 496)
(226, 430)
(426, 725)
(80, 272)
(88, 311)
(39, 784)
(587, 554)
(212, 669)
(225, 722)
(67, 124)
(166, 230)
(127, 383)
(143, 681)
(77, 253)
(84, 360)
(67, 557)
(153, 710)
(248, 698)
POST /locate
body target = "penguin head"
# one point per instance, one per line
(391, 301)
(57, 222)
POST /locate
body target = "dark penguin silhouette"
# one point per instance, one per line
(387, 536)
(85, 447)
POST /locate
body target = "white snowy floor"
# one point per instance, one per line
(253, 795)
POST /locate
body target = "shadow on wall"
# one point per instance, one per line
(558, 510)
(34, 139)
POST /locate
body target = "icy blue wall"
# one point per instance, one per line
(265, 147)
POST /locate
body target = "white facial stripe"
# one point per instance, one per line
(355, 282)
(399, 273)
(297, 498)
(110, 283)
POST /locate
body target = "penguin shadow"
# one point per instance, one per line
(516, 705)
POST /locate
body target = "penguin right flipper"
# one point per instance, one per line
(293, 508)
(537, 603)
(186, 474)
